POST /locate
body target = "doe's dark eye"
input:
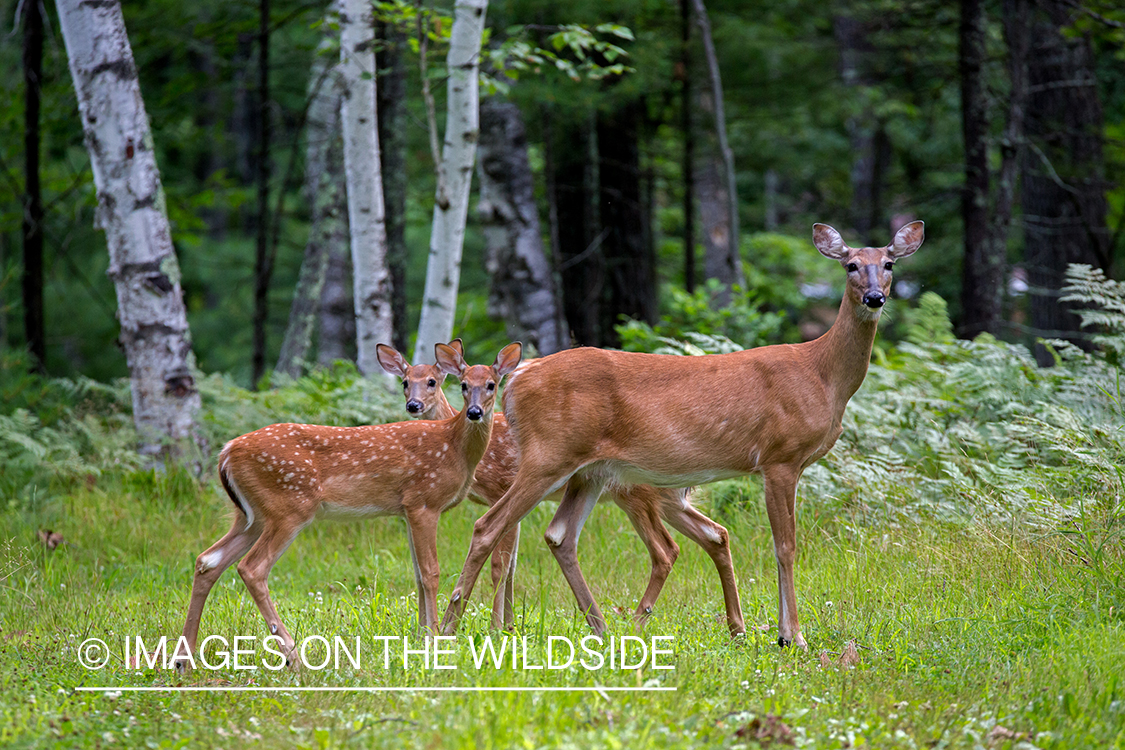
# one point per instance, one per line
(852, 268)
(888, 265)
(432, 383)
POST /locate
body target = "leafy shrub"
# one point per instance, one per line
(696, 314)
(777, 266)
(338, 395)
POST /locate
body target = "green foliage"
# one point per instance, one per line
(571, 49)
(56, 432)
(695, 317)
(1106, 307)
(332, 396)
(929, 323)
(778, 265)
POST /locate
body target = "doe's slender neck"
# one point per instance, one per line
(843, 354)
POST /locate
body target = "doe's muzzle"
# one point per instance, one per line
(874, 300)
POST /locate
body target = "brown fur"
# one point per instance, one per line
(593, 416)
(645, 506)
(284, 476)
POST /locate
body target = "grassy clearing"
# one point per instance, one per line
(961, 578)
(960, 629)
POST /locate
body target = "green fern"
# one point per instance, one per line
(1106, 313)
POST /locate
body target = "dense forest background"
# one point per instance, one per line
(862, 114)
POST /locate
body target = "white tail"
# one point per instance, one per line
(589, 416)
(646, 507)
(283, 477)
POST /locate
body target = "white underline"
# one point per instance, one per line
(335, 689)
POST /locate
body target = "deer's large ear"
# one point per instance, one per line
(829, 242)
(391, 361)
(449, 360)
(908, 239)
(508, 359)
(456, 344)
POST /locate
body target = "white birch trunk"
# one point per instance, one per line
(366, 213)
(142, 261)
(447, 236)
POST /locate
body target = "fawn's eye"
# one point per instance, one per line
(464, 387)
(888, 265)
(491, 386)
(405, 385)
(432, 383)
(852, 268)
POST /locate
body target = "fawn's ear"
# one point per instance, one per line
(449, 360)
(391, 361)
(829, 242)
(456, 344)
(508, 359)
(908, 239)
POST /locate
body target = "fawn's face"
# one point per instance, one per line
(479, 383)
(869, 269)
(478, 387)
(421, 385)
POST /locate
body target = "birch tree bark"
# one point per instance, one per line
(447, 235)
(366, 213)
(324, 191)
(523, 290)
(143, 267)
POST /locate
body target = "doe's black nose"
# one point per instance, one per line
(475, 413)
(874, 299)
(414, 406)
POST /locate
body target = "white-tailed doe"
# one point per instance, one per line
(645, 506)
(283, 477)
(586, 417)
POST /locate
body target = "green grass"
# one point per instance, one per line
(960, 628)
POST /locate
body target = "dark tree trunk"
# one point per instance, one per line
(729, 271)
(523, 286)
(263, 267)
(337, 313)
(1017, 38)
(982, 270)
(870, 147)
(713, 219)
(579, 244)
(33, 201)
(688, 162)
(630, 262)
(393, 127)
(1064, 207)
